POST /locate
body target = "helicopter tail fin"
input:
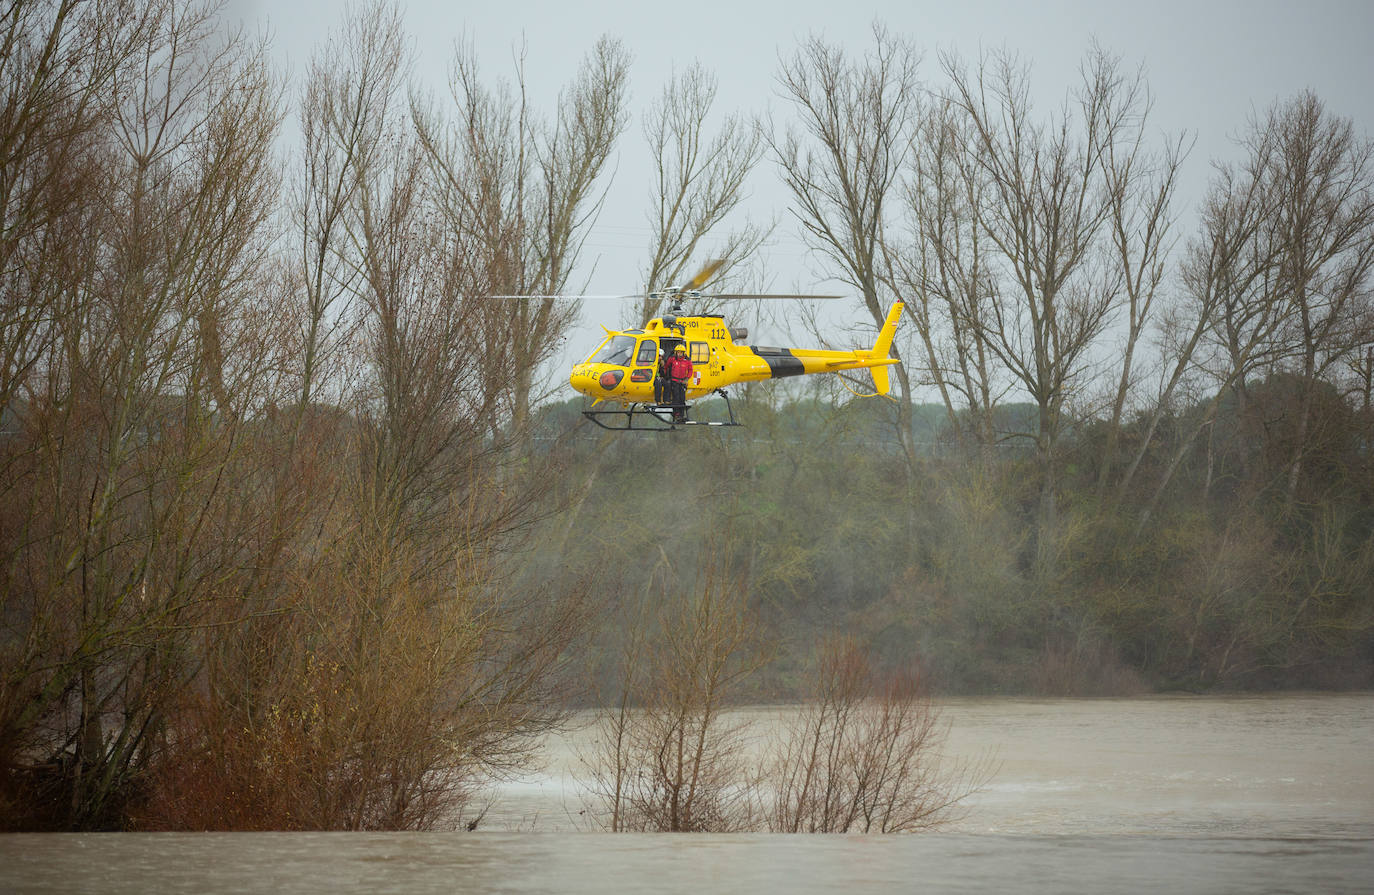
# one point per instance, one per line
(882, 383)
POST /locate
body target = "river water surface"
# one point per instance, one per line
(1184, 794)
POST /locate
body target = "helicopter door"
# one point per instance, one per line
(646, 358)
(648, 353)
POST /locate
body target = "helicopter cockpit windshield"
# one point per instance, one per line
(615, 351)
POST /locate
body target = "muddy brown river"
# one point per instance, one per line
(1179, 794)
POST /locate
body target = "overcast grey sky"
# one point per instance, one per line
(1209, 64)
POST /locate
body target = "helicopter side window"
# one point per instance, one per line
(648, 353)
(616, 351)
(701, 352)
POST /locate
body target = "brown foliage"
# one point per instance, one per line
(864, 755)
(670, 758)
(226, 603)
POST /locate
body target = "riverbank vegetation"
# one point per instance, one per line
(295, 537)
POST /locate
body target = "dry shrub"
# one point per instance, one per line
(377, 692)
(865, 755)
(1085, 667)
(669, 757)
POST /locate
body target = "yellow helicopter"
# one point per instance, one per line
(623, 378)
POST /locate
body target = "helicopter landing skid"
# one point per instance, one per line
(654, 417)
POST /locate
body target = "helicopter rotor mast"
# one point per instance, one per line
(690, 289)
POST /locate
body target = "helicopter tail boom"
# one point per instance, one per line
(776, 363)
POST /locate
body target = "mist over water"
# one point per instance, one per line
(1286, 765)
(1183, 794)
(1296, 765)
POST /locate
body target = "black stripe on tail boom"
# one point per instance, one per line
(780, 361)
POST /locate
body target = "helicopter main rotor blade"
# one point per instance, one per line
(742, 295)
(577, 297)
(703, 275)
(640, 296)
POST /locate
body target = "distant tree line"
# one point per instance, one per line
(293, 537)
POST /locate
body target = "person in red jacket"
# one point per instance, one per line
(679, 372)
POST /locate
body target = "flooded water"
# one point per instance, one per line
(1186, 794)
(1286, 765)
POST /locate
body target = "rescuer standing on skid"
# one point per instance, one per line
(679, 372)
(661, 387)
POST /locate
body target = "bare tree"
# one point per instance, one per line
(1224, 266)
(1323, 177)
(134, 407)
(524, 193)
(670, 758)
(391, 670)
(1140, 188)
(1047, 202)
(343, 112)
(856, 117)
(864, 755)
(946, 273)
(699, 180)
(1241, 278)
